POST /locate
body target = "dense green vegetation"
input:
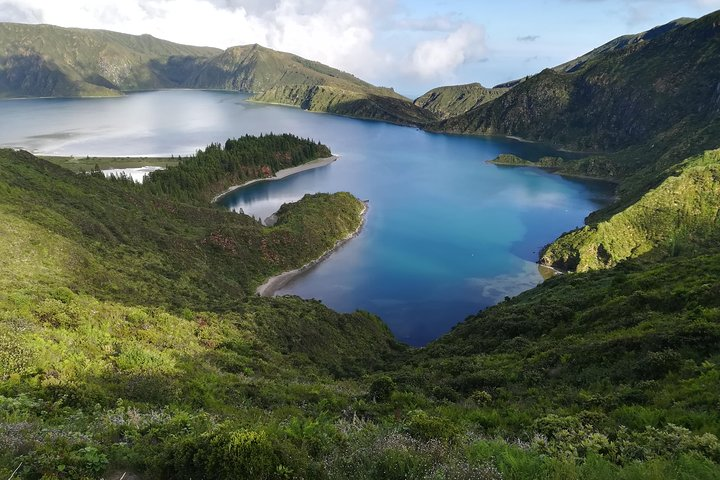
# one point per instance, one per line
(162, 366)
(451, 101)
(682, 211)
(213, 170)
(131, 245)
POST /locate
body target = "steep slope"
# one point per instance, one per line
(632, 348)
(622, 42)
(454, 100)
(681, 211)
(44, 60)
(616, 98)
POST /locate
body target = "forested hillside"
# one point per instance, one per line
(216, 168)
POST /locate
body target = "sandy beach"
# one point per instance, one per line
(273, 284)
(320, 162)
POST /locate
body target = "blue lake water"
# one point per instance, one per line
(446, 233)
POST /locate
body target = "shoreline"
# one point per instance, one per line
(275, 283)
(280, 174)
(556, 171)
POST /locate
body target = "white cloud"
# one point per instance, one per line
(440, 57)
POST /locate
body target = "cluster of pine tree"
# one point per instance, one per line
(217, 167)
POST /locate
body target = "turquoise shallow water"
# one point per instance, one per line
(446, 233)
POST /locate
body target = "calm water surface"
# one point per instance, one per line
(446, 233)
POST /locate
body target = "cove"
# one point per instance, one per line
(446, 234)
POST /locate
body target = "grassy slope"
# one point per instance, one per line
(153, 366)
(111, 293)
(636, 346)
(454, 100)
(680, 212)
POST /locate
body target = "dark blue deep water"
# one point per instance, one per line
(446, 233)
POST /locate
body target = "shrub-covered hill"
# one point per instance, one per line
(682, 211)
(620, 364)
(129, 345)
(126, 244)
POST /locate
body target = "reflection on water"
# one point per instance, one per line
(446, 233)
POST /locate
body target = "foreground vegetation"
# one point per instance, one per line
(130, 343)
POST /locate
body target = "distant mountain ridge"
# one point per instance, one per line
(50, 61)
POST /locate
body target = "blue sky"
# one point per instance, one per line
(409, 45)
(522, 37)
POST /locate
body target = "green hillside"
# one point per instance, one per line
(682, 211)
(616, 98)
(623, 42)
(130, 345)
(278, 77)
(454, 100)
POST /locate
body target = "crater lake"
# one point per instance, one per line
(446, 234)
